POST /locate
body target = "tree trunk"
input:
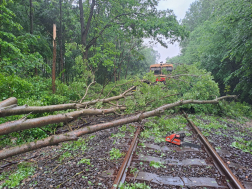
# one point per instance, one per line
(40, 109)
(8, 102)
(127, 68)
(31, 31)
(22, 124)
(84, 30)
(73, 135)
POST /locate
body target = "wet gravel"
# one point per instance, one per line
(53, 170)
(239, 162)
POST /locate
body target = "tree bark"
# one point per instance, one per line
(40, 109)
(8, 102)
(23, 124)
(85, 30)
(73, 135)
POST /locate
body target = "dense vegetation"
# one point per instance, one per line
(102, 41)
(220, 41)
(98, 39)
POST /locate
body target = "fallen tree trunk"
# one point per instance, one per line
(23, 124)
(8, 102)
(41, 109)
(73, 135)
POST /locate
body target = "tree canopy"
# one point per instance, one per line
(93, 37)
(220, 41)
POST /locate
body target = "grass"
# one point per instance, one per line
(115, 154)
(157, 164)
(24, 170)
(160, 126)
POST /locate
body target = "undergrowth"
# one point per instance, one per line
(13, 179)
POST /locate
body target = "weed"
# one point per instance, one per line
(159, 139)
(24, 170)
(133, 186)
(118, 135)
(188, 134)
(133, 170)
(115, 153)
(84, 161)
(156, 164)
(65, 155)
(243, 145)
(131, 129)
(123, 128)
(141, 144)
(90, 183)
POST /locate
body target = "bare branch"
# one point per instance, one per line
(87, 91)
(40, 109)
(73, 135)
(18, 125)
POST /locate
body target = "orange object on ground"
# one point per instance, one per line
(175, 138)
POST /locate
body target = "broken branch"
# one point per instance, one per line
(73, 135)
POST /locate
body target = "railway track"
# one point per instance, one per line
(192, 165)
(123, 157)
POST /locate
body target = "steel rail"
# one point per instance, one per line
(122, 169)
(220, 164)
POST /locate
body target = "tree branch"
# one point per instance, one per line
(40, 109)
(87, 91)
(73, 135)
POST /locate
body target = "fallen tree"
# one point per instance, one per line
(73, 135)
(41, 109)
(8, 102)
(23, 124)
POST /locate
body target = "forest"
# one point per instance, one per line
(220, 42)
(66, 63)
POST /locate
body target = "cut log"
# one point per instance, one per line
(8, 102)
(73, 135)
(23, 124)
(41, 109)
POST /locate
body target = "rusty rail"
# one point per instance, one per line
(123, 167)
(219, 163)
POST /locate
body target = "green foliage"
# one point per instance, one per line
(133, 186)
(118, 135)
(220, 41)
(156, 164)
(236, 110)
(80, 144)
(84, 161)
(160, 126)
(245, 146)
(24, 170)
(133, 170)
(65, 155)
(115, 154)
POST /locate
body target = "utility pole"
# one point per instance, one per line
(54, 59)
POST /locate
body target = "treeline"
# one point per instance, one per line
(220, 41)
(101, 39)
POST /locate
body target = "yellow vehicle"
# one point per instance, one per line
(159, 70)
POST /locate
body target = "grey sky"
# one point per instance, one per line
(179, 7)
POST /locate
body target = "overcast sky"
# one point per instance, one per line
(179, 7)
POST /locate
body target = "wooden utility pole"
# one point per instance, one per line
(54, 59)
